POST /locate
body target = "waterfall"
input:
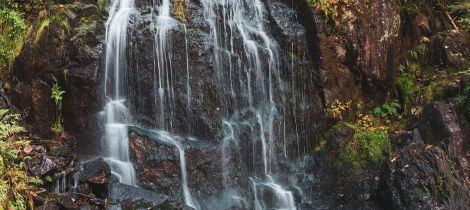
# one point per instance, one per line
(257, 107)
(116, 140)
(251, 93)
(163, 70)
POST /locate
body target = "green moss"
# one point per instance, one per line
(367, 148)
(46, 17)
(320, 145)
(12, 33)
(102, 4)
(405, 84)
(44, 24)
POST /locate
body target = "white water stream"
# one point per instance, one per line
(116, 114)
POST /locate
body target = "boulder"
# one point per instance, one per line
(422, 176)
(440, 126)
(96, 171)
(40, 164)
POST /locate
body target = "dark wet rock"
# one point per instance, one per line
(66, 201)
(422, 176)
(440, 126)
(83, 189)
(129, 197)
(204, 99)
(96, 171)
(339, 136)
(40, 164)
(41, 106)
(49, 205)
(286, 23)
(158, 165)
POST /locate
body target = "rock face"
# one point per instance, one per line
(441, 127)
(360, 54)
(67, 52)
(158, 166)
(423, 177)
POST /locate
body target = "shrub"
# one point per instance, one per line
(369, 146)
(370, 143)
(16, 186)
(388, 109)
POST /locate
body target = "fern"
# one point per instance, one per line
(16, 186)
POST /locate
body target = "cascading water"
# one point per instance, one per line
(258, 104)
(248, 82)
(116, 114)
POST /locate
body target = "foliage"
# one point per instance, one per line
(405, 84)
(461, 12)
(57, 96)
(332, 9)
(369, 146)
(337, 109)
(16, 186)
(179, 7)
(409, 7)
(102, 4)
(12, 28)
(388, 109)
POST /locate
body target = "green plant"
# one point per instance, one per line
(12, 29)
(388, 109)
(16, 186)
(405, 84)
(461, 13)
(409, 7)
(332, 9)
(368, 147)
(57, 96)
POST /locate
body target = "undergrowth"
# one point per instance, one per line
(17, 188)
(370, 144)
(333, 9)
